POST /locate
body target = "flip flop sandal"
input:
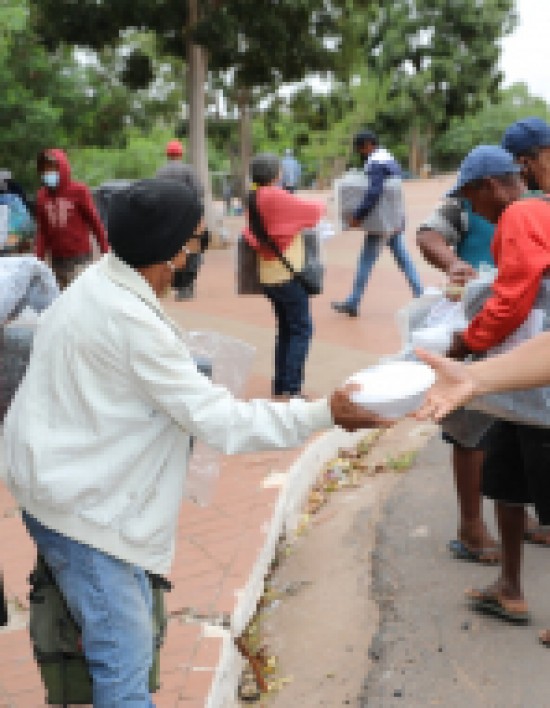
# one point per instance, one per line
(488, 604)
(485, 556)
(544, 638)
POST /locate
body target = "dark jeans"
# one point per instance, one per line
(294, 330)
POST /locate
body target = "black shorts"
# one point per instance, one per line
(516, 468)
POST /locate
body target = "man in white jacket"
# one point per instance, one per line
(97, 437)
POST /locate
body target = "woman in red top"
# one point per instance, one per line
(284, 216)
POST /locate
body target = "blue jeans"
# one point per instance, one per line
(112, 603)
(372, 247)
(290, 304)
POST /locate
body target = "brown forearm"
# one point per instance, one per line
(436, 250)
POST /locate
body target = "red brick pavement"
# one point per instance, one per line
(219, 545)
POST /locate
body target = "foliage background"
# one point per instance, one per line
(106, 81)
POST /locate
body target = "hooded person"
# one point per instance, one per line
(98, 434)
(65, 217)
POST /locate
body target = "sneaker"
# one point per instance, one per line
(344, 309)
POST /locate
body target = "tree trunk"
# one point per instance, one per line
(197, 72)
(414, 156)
(245, 135)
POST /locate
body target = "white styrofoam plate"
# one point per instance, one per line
(392, 389)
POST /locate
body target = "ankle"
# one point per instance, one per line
(510, 588)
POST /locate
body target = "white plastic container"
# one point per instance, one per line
(393, 389)
(434, 339)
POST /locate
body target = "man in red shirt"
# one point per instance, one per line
(65, 217)
(515, 471)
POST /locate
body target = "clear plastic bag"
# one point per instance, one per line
(414, 314)
(467, 426)
(27, 287)
(427, 321)
(231, 361)
(25, 281)
(444, 319)
(16, 340)
(530, 406)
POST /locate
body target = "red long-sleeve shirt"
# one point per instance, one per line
(521, 249)
(66, 215)
(284, 215)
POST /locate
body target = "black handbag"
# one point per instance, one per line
(311, 276)
(4, 617)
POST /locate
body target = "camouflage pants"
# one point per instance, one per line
(68, 269)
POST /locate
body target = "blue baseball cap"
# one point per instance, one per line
(484, 161)
(526, 135)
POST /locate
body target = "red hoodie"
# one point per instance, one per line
(66, 215)
(521, 249)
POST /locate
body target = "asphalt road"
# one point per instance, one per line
(431, 650)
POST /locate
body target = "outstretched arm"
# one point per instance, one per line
(525, 366)
(439, 253)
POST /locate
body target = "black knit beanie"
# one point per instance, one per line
(151, 220)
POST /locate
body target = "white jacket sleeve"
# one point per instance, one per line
(166, 374)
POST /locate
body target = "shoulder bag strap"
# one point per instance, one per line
(261, 234)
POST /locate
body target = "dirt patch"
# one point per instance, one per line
(318, 617)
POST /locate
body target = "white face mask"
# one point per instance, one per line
(51, 178)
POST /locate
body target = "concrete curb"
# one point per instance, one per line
(295, 485)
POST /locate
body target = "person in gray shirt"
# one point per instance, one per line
(178, 171)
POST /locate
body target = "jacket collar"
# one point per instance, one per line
(121, 273)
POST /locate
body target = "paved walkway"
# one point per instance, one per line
(224, 549)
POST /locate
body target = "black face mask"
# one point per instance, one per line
(531, 182)
(186, 276)
(205, 240)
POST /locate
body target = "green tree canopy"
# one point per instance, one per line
(488, 124)
(442, 57)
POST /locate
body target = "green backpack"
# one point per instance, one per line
(56, 639)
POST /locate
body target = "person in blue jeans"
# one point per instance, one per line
(290, 304)
(98, 435)
(282, 216)
(382, 214)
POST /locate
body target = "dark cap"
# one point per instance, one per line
(484, 161)
(364, 136)
(151, 220)
(524, 136)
